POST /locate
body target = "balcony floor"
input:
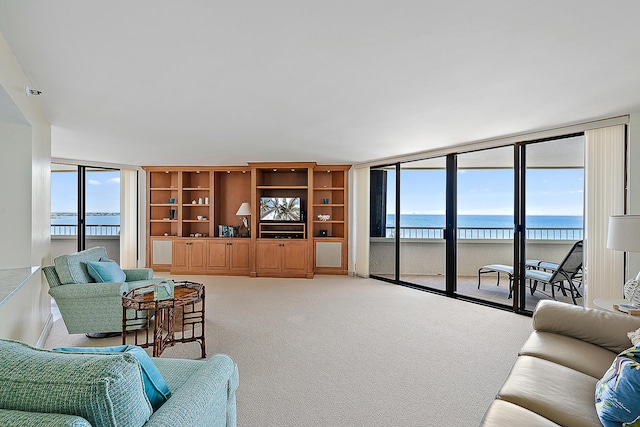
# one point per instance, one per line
(489, 291)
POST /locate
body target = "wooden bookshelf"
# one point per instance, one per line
(187, 206)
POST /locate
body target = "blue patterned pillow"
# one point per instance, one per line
(155, 387)
(105, 271)
(618, 392)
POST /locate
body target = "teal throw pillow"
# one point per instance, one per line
(618, 392)
(155, 387)
(105, 271)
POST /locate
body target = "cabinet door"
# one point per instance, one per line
(218, 255)
(268, 257)
(294, 257)
(328, 256)
(239, 255)
(179, 254)
(160, 253)
(198, 255)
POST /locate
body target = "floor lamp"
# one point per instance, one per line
(624, 235)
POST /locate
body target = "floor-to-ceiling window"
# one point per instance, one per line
(422, 222)
(554, 206)
(485, 201)
(64, 209)
(85, 209)
(482, 194)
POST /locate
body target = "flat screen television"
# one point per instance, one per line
(280, 209)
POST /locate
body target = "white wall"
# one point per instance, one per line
(25, 171)
(15, 209)
(22, 311)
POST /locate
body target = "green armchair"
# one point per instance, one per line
(52, 388)
(86, 306)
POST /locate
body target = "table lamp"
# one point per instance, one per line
(244, 211)
(624, 235)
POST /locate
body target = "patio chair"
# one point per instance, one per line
(497, 268)
(549, 266)
(546, 273)
(569, 270)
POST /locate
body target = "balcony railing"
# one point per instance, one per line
(500, 233)
(549, 233)
(91, 230)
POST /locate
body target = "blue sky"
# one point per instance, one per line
(480, 192)
(490, 192)
(103, 191)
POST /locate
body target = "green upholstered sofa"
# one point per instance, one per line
(87, 306)
(49, 388)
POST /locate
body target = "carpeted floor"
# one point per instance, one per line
(346, 351)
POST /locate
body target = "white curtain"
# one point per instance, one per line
(359, 225)
(128, 218)
(604, 196)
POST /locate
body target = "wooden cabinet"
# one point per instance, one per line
(194, 215)
(162, 212)
(228, 256)
(191, 202)
(189, 255)
(231, 189)
(330, 219)
(191, 211)
(329, 256)
(284, 187)
(277, 257)
(282, 245)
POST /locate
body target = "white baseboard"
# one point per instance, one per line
(45, 331)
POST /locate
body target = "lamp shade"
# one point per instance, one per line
(624, 233)
(244, 209)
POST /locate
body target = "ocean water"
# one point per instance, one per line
(553, 227)
(477, 221)
(92, 219)
(486, 221)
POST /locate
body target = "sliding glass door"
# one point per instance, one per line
(85, 209)
(64, 209)
(485, 224)
(102, 210)
(422, 222)
(554, 206)
(475, 224)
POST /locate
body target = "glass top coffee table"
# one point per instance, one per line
(150, 321)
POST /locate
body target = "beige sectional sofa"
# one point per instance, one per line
(553, 379)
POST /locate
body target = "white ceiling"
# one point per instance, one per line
(205, 82)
